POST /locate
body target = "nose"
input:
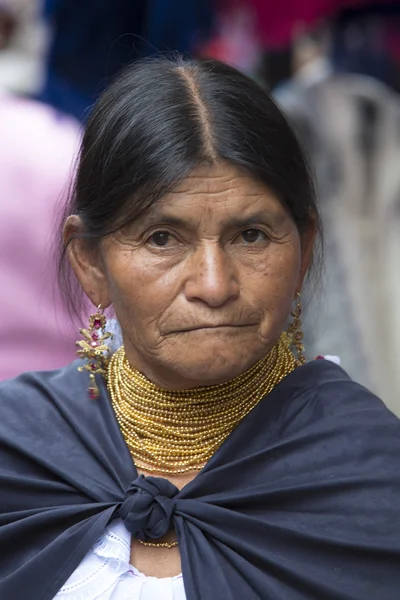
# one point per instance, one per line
(212, 277)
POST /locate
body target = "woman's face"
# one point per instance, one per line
(202, 284)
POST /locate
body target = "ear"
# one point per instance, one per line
(307, 246)
(86, 262)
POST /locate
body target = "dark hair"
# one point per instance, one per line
(163, 117)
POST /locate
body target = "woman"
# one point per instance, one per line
(205, 460)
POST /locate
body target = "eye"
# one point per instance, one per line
(160, 238)
(251, 236)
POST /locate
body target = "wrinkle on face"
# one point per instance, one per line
(207, 275)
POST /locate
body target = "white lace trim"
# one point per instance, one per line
(114, 544)
(93, 585)
(106, 574)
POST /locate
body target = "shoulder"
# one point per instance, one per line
(323, 427)
(337, 394)
(322, 398)
(49, 426)
(37, 401)
(332, 391)
(34, 385)
(321, 395)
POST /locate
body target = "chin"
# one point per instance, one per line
(214, 366)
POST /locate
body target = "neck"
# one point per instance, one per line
(175, 431)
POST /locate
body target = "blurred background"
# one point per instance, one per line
(333, 66)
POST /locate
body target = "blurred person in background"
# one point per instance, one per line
(22, 46)
(94, 39)
(7, 26)
(366, 40)
(38, 148)
(36, 159)
(365, 35)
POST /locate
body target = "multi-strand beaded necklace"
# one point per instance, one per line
(171, 432)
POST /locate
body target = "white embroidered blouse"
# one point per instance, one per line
(105, 574)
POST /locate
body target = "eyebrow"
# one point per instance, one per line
(254, 219)
(236, 222)
(155, 218)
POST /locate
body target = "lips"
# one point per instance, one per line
(198, 327)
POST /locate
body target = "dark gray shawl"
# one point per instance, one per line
(301, 502)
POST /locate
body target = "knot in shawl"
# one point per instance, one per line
(148, 507)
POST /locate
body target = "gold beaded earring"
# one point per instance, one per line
(94, 350)
(295, 331)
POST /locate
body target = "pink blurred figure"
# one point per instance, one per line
(36, 160)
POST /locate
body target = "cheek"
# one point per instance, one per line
(125, 287)
(139, 293)
(276, 284)
(285, 270)
(279, 271)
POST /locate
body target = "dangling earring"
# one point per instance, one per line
(94, 350)
(295, 331)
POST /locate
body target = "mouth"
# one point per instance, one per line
(217, 327)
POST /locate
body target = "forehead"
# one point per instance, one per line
(221, 190)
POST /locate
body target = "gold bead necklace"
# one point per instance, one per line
(159, 544)
(176, 431)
